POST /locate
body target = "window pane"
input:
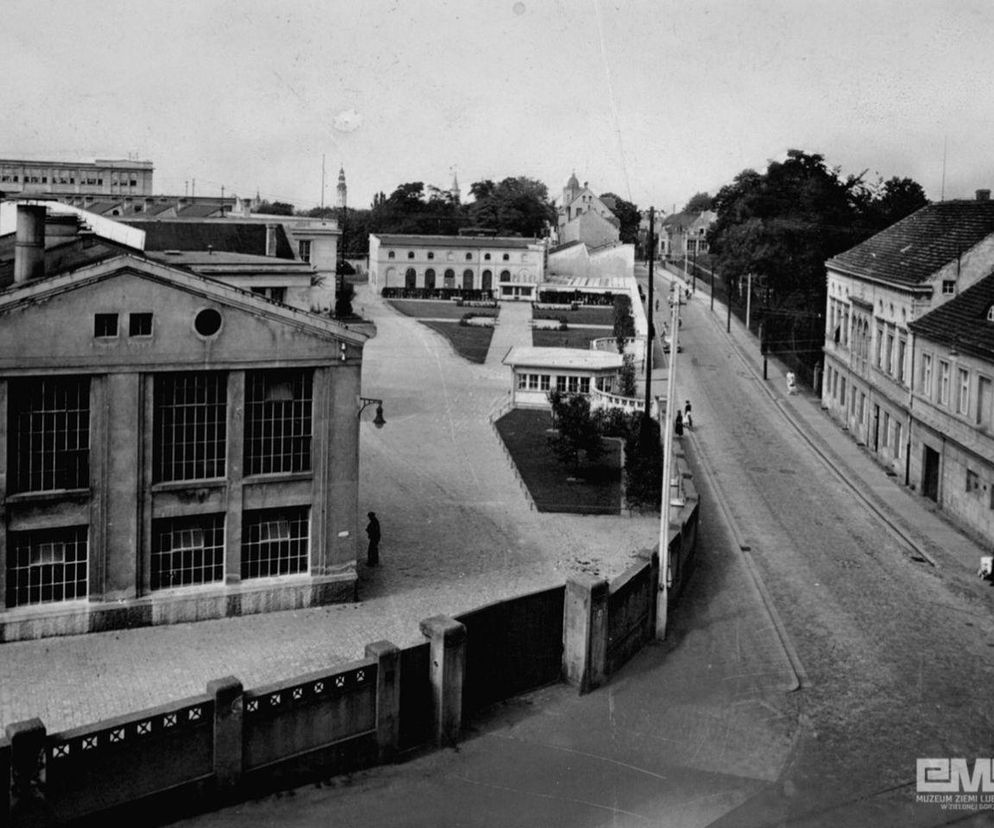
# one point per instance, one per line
(275, 542)
(278, 421)
(188, 550)
(46, 566)
(190, 426)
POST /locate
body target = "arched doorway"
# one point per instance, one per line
(488, 281)
(410, 278)
(467, 279)
(429, 279)
(449, 280)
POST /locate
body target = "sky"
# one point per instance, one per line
(653, 100)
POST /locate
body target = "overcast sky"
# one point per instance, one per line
(651, 99)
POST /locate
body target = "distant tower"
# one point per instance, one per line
(341, 189)
(454, 191)
(571, 190)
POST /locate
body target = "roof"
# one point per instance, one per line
(196, 258)
(601, 282)
(560, 247)
(913, 249)
(572, 358)
(62, 256)
(962, 321)
(227, 236)
(199, 210)
(401, 239)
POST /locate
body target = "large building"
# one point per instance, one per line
(109, 177)
(172, 448)
(584, 217)
(504, 267)
(897, 394)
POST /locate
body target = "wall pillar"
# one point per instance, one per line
(228, 707)
(585, 632)
(651, 557)
(28, 745)
(446, 669)
(387, 657)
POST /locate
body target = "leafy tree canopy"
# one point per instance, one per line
(577, 430)
(516, 206)
(699, 202)
(782, 225)
(274, 208)
(629, 216)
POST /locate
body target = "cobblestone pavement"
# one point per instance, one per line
(458, 533)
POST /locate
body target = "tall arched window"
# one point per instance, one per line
(467, 279)
(429, 279)
(487, 280)
(410, 278)
(450, 278)
(505, 275)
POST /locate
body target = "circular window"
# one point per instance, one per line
(207, 322)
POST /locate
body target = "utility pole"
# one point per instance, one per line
(748, 298)
(666, 437)
(650, 338)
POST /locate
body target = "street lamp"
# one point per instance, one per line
(365, 402)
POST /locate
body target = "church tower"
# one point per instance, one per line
(341, 189)
(571, 190)
(454, 190)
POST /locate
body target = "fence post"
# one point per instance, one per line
(446, 670)
(28, 747)
(387, 657)
(228, 722)
(585, 631)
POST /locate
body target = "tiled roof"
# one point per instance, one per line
(199, 210)
(962, 321)
(914, 248)
(400, 239)
(233, 237)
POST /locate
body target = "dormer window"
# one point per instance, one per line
(948, 287)
(990, 314)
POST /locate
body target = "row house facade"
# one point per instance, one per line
(505, 267)
(877, 292)
(172, 448)
(952, 407)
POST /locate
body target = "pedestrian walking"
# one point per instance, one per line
(791, 383)
(688, 418)
(373, 533)
(678, 424)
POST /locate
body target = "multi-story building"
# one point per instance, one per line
(584, 217)
(505, 267)
(109, 177)
(172, 448)
(877, 291)
(952, 406)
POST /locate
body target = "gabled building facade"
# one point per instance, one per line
(584, 217)
(877, 294)
(172, 448)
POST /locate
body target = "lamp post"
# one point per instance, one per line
(365, 402)
(666, 436)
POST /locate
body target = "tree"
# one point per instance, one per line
(624, 324)
(892, 201)
(576, 429)
(643, 463)
(516, 206)
(628, 215)
(699, 202)
(626, 376)
(274, 208)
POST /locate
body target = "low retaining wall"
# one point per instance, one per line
(231, 743)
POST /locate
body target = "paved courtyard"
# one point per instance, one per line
(458, 533)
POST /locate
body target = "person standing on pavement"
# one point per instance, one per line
(688, 418)
(678, 424)
(373, 533)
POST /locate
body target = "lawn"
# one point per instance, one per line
(572, 338)
(437, 310)
(594, 489)
(581, 316)
(469, 341)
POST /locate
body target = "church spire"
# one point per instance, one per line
(342, 189)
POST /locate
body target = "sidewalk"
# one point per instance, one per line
(514, 329)
(927, 533)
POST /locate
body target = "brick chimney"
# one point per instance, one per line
(983, 195)
(29, 243)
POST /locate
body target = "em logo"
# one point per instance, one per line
(953, 776)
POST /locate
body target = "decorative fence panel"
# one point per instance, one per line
(117, 761)
(312, 712)
(512, 646)
(415, 697)
(629, 615)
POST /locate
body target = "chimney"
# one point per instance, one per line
(271, 239)
(29, 243)
(983, 195)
